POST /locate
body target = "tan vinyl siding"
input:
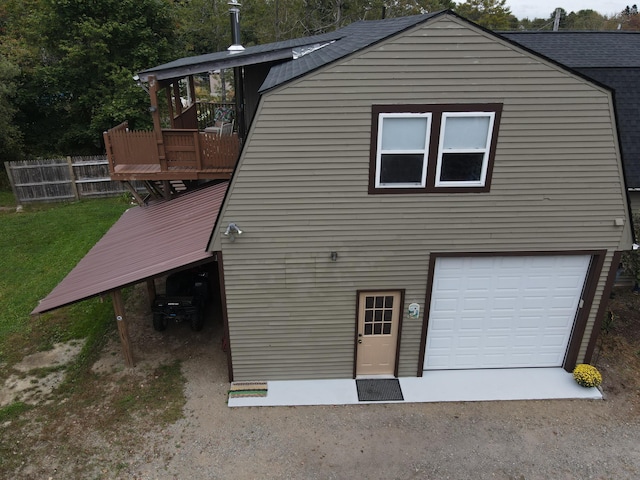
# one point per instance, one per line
(301, 191)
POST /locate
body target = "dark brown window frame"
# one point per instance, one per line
(436, 111)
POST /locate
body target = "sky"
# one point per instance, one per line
(543, 8)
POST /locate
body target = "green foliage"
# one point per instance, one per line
(81, 83)
(492, 14)
(10, 135)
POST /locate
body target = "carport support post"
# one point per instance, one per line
(151, 291)
(123, 331)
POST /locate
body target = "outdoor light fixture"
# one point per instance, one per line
(334, 256)
(231, 231)
(139, 83)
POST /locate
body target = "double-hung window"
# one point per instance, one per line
(463, 152)
(433, 148)
(403, 149)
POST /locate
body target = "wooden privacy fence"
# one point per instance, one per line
(59, 179)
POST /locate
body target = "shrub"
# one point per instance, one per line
(587, 375)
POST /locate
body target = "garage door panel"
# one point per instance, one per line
(502, 312)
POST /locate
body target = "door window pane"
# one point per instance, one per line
(378, 315)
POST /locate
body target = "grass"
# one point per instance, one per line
(39, 246)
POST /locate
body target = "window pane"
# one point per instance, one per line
(379, 301)
(368, 315)
(386, 328)
(368, 329)
(461, 167)
(387, 315)
(401, 168)
(369, 302)
(388, 302)
(404, 133)
(377, 328)
(378, 316)
(466, 132)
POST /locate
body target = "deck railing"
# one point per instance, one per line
(185, 150)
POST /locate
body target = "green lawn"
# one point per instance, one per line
(38, 247)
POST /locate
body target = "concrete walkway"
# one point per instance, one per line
(433, 386)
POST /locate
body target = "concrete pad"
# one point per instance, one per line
(433, 386)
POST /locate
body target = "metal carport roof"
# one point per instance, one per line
(145, 242)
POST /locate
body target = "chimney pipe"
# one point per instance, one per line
(235, 27)
(238, 79)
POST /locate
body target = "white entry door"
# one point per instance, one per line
(503, 312)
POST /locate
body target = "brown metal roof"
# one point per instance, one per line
(145, 242)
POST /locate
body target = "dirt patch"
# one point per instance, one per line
(104, 434)
(39, 374)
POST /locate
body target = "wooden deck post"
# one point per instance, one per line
(198, 150)
(133, 192)
(123, 330)
(157, 126)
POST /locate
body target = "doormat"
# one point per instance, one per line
(248, 389)
(379, 390)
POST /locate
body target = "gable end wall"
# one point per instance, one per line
(300, 192)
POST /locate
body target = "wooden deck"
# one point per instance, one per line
(176, 154)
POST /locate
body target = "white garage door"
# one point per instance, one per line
(503, 312)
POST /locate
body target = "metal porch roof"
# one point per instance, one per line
(145, 242)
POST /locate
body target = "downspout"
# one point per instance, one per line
(236, 47)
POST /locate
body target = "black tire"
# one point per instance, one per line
(197, 321)
(159, 322)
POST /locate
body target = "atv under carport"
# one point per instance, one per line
(185, 298)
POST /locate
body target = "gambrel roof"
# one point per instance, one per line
(611, 58)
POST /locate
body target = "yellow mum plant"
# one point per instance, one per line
(587, 375)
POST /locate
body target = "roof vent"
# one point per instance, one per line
(234, 12)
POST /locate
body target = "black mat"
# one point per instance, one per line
(379, 390)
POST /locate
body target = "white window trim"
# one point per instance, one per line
(424, 152)
(485, 150)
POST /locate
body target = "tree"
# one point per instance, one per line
(80, 83)
(492, 14)
(628, 19)
(202, 26)
(584, 20)
(10, 135)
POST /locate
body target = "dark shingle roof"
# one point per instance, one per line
(353, 37)
(611, 58)
(226, 59)
(583, 49)
(337, 44)
(625, 82)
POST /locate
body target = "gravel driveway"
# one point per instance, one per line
(559, 439)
